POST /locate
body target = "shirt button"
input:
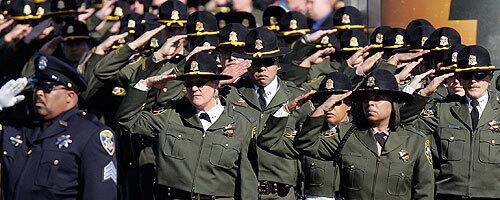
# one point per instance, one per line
(312, 164)
(492, 141)
(452, 138)
(29, 152)
(180, 135)
(4, 152)
(56, 162)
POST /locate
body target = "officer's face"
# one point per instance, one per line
(475, 83)
(52, 100)
(377, 109)
(136, 6)
(454, 86)
(74, 50)
(338, 113)
(263, 71)
(201, 92)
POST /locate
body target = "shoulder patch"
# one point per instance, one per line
(107, 141)
(427, 149)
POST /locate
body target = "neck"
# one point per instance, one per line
(208, 106)
(381, 125)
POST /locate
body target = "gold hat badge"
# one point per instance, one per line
(40, 11)
(325, 40)
(245, 23)
(353, 42)
(346, 19)
(329, 84)
(472, 60)
(454, 57)
(233, 36)
(273, 20)
(27, 10)
(175, 15)
(293, 24)
(258, 44)
(131, 24)
(60, 5)
(194, 66)
(154, 43)
(399, 40)
(424, 39)
(118, 12)
(199, 27)
(443, 41)
(70, 30)
(379, 38)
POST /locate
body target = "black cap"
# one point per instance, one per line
(396, 40)
(173, 13)
(245, 18)
(333, 83)
(382, 82)
(418, 37)
(75, 30)
(50, 70)
(348, 17)
(416, 23)
(202, 65)
(272, 17)
(232, 36)
(202, 23)
(63, 7)
(293, 24)
(204, 41)
(377, 36)
(21, 10)
(450, 60)
(474, 58)
(442, 39)
(131, 23)
(262, 43)
(353, 40)
(328, 41)
(120, 9)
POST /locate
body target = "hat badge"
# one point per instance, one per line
(154, 43)
(399, 40)
(175, 15)
(60, 5)
(329, 84)
(346, 19)
(70, 30)
(40, 11)
(472, 60)
(424, 39)
(353, 42)
(379, 38)
(443, 41)
(325, 40)
(42, 63)
(194, 66)
(245, 23)
(131, 24)
(233, 36)
(258, 44)
(273, 20)
(293, 24)
(454, 57)
(370, 82)
(206, 44)
(118, 12)
(27, 10)
(199, 27)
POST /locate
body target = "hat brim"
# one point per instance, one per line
(209, 76)
(64, 12)
(78, 37)
(396, 96)
(320, 97)
(476, 69)
(254, 56)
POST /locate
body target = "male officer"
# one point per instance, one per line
(65, 154)
(466, 132)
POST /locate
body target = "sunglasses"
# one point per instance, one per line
(267, 62)
(47, 88)
(197, 83)
(473, 75)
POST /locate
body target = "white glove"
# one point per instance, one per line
(9, 91)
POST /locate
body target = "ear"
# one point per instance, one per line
(71, 96)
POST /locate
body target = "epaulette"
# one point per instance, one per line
(90, 117)
(315, 79)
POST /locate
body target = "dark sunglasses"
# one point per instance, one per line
(473, 75)
(264, 62)
(133, 1)
(197, 83)
(47, 88)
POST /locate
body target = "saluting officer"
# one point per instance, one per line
(66, 153)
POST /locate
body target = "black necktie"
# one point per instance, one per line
(474, 114)
(205, 117)
(262, 100)
(381, 138)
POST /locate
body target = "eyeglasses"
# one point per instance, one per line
(473, 75)
(197, 83)
(47, 88)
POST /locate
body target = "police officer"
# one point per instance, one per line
(66, 153)
(378, 159)
(202, 141)
(466, 131)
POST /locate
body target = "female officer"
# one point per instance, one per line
(202, 143)
(377, 158)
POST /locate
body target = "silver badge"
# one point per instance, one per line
(63, 141)
(16, 141)
(42, 63)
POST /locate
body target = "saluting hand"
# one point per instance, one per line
(18, 32)
(40, 31)
(235, 68)
(9, 92)
(316, 36)
(171, 47)
(199, 49)
(144, 38)
(317, 57)
(418, 80)
(398, 58)
(298, 102)
(159, 81)
(405, 73)
(434, 84)
(359, 56)
(4, 23)
(368, 64)
(106, 9)
(108, 43)
(329, 104)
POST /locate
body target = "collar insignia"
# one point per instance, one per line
(63, 141)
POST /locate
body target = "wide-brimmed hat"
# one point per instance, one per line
(418, 37)
(63, 7)
(381, 82)
(473, 59)
(353, 40)
(417, 23)
(272, 17)
(348, 17)
(232, 36)
(377, 36)
(75, 30)
(50, 70)
(173, 13)
(328, 41)
(131, 23)
(23, 11)
(262, 43)
(333, 83)
(396, 40)
(201, 23)
(293, 24)
(120, 9)
(442, 39)
(202, 65)
(450, 60)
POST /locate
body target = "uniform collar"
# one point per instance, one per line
(214, 113)
(269, 90)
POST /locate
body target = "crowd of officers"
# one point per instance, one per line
(241, 100)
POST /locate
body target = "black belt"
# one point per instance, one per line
(269, 187)
(454, 197)
(173, 193)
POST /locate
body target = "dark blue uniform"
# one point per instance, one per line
(70, 157)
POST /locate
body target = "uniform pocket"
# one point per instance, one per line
(399, 179)
(353, 171)
(225, 154)
(315, 172)
(57, 169)
(176, 145)
(489, 147)
(452, 143)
